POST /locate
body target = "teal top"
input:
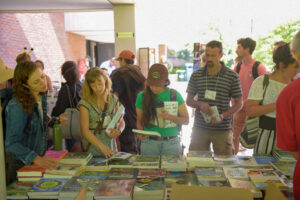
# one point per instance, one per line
(163, 96)
(94, 118)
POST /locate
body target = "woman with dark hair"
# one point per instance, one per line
(152, 115)
(263, 95)
(49, 86)
(26, 114)
(69, 94)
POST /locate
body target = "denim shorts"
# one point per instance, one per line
(161, 147)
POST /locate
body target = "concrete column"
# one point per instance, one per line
(2, 161)
(124, 28)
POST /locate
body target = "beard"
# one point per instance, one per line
(210, 64)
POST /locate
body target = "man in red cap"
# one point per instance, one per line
(126, 57)
(127, 82)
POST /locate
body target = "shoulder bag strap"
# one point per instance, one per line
(265, 85)
(69, 97)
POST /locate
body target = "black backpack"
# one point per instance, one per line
(254, 69)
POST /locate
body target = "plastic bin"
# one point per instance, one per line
(181, 75)
(189, 70)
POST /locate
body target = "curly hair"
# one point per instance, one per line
(90, 77)
(23, 95)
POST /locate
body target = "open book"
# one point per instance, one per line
(146, 133)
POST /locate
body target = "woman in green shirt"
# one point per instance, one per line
(160, 109)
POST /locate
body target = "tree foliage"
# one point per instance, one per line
(265, 44)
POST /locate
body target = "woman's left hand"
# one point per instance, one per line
(62, 119)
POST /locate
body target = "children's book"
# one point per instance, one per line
(146, 133)
(47, 187)
(117, 189)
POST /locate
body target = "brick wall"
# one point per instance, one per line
(45, 32)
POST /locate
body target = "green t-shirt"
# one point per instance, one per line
(163, 96)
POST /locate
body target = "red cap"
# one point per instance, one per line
(126, 54)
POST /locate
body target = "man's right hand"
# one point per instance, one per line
(204, 107)
(48, 163)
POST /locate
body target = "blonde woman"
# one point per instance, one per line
(97, 108)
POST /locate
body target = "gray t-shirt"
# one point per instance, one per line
(227, 86)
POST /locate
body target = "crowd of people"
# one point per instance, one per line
(222, 98)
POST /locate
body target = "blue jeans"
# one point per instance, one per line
(161, 147)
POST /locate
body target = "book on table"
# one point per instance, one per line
(260, 177)
(148, 188)
(18, 190)
(146, 162)
(115, 189)
(76, 158)
(246, 184)
(74, 185)
(31, 171)
(237, 173)
(56, 154)
(97, 163)
(146, 133)
(46, 188)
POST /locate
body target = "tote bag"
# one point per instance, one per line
(250, 131)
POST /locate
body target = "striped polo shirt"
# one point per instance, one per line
(227, 85)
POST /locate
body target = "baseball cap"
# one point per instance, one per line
(6, 72)
(126, 54)
(157, 75)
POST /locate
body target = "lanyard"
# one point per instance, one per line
(216, 80)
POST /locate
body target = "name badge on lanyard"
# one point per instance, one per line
(210, 94)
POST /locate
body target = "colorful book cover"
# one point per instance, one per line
(64, 170)
(47, 187)
(210, 173)
(246, 184)
(246, 161)
(115, 188)
(94, 174)
(264, 160)
(56, 154)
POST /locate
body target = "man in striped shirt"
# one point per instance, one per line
(216, 85)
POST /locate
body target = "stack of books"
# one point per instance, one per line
(283, 156)
(174, 163)
(286, 168)
(122, 173)
(76, 158)
(30, 173)
(260, 177)
(62, 171)
(46, 189)
(149, 184)
(115, 189)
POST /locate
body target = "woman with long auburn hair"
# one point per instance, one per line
(26, 113)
